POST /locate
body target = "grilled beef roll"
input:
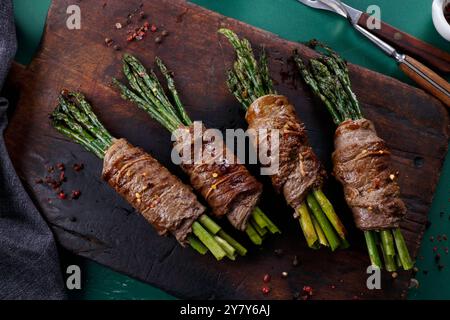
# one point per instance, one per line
(227, 186)
(361, 163)
(299, 168)
(167, 203)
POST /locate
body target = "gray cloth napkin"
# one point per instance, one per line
(29, 266)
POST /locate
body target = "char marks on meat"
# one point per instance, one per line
(167, 203)
(299, 168)
(228, 187)
(362, 164)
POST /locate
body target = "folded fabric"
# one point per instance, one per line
(29, 266)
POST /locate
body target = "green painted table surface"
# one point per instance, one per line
(293, 21)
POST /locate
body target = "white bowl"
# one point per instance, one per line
(439, 21)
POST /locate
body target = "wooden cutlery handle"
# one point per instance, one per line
(427, 79)
(432, 56)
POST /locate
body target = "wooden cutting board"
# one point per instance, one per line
(102, 227)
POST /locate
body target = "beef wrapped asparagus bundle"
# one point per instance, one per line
(300, 175)
(165, 202)
(228, 187)
(361, 161)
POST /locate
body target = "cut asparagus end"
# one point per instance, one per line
(402, 250)
(216, 229)
(328, 230)
(208, 240)
(329, 211)
(387, 242)
(307, 227)
(240, 249)
(322, 238)
(229, 250)
(209, 224)
(389, 260)
(371, 242)
(253, 235)
(197, 245)
(264, 221)
(261, 231)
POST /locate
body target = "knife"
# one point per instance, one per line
(422, 75)
(432, 56)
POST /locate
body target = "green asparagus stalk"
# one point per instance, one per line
(307, 225)
(322, 238)
(197, 245)
(324, 223)
(208, 240)
(371, 242)
(328, 209)
(402, 249)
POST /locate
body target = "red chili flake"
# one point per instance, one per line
(76, 194)
(265, 290)
(62, 195)
(62, 176)
(61, 166)
(266, 278)
(146, 24)
(130, 38)
(153, 28)
(308, 290)
(78, 167)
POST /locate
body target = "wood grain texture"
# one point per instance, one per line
(413, 69)
(102, 227)
(406, 43)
